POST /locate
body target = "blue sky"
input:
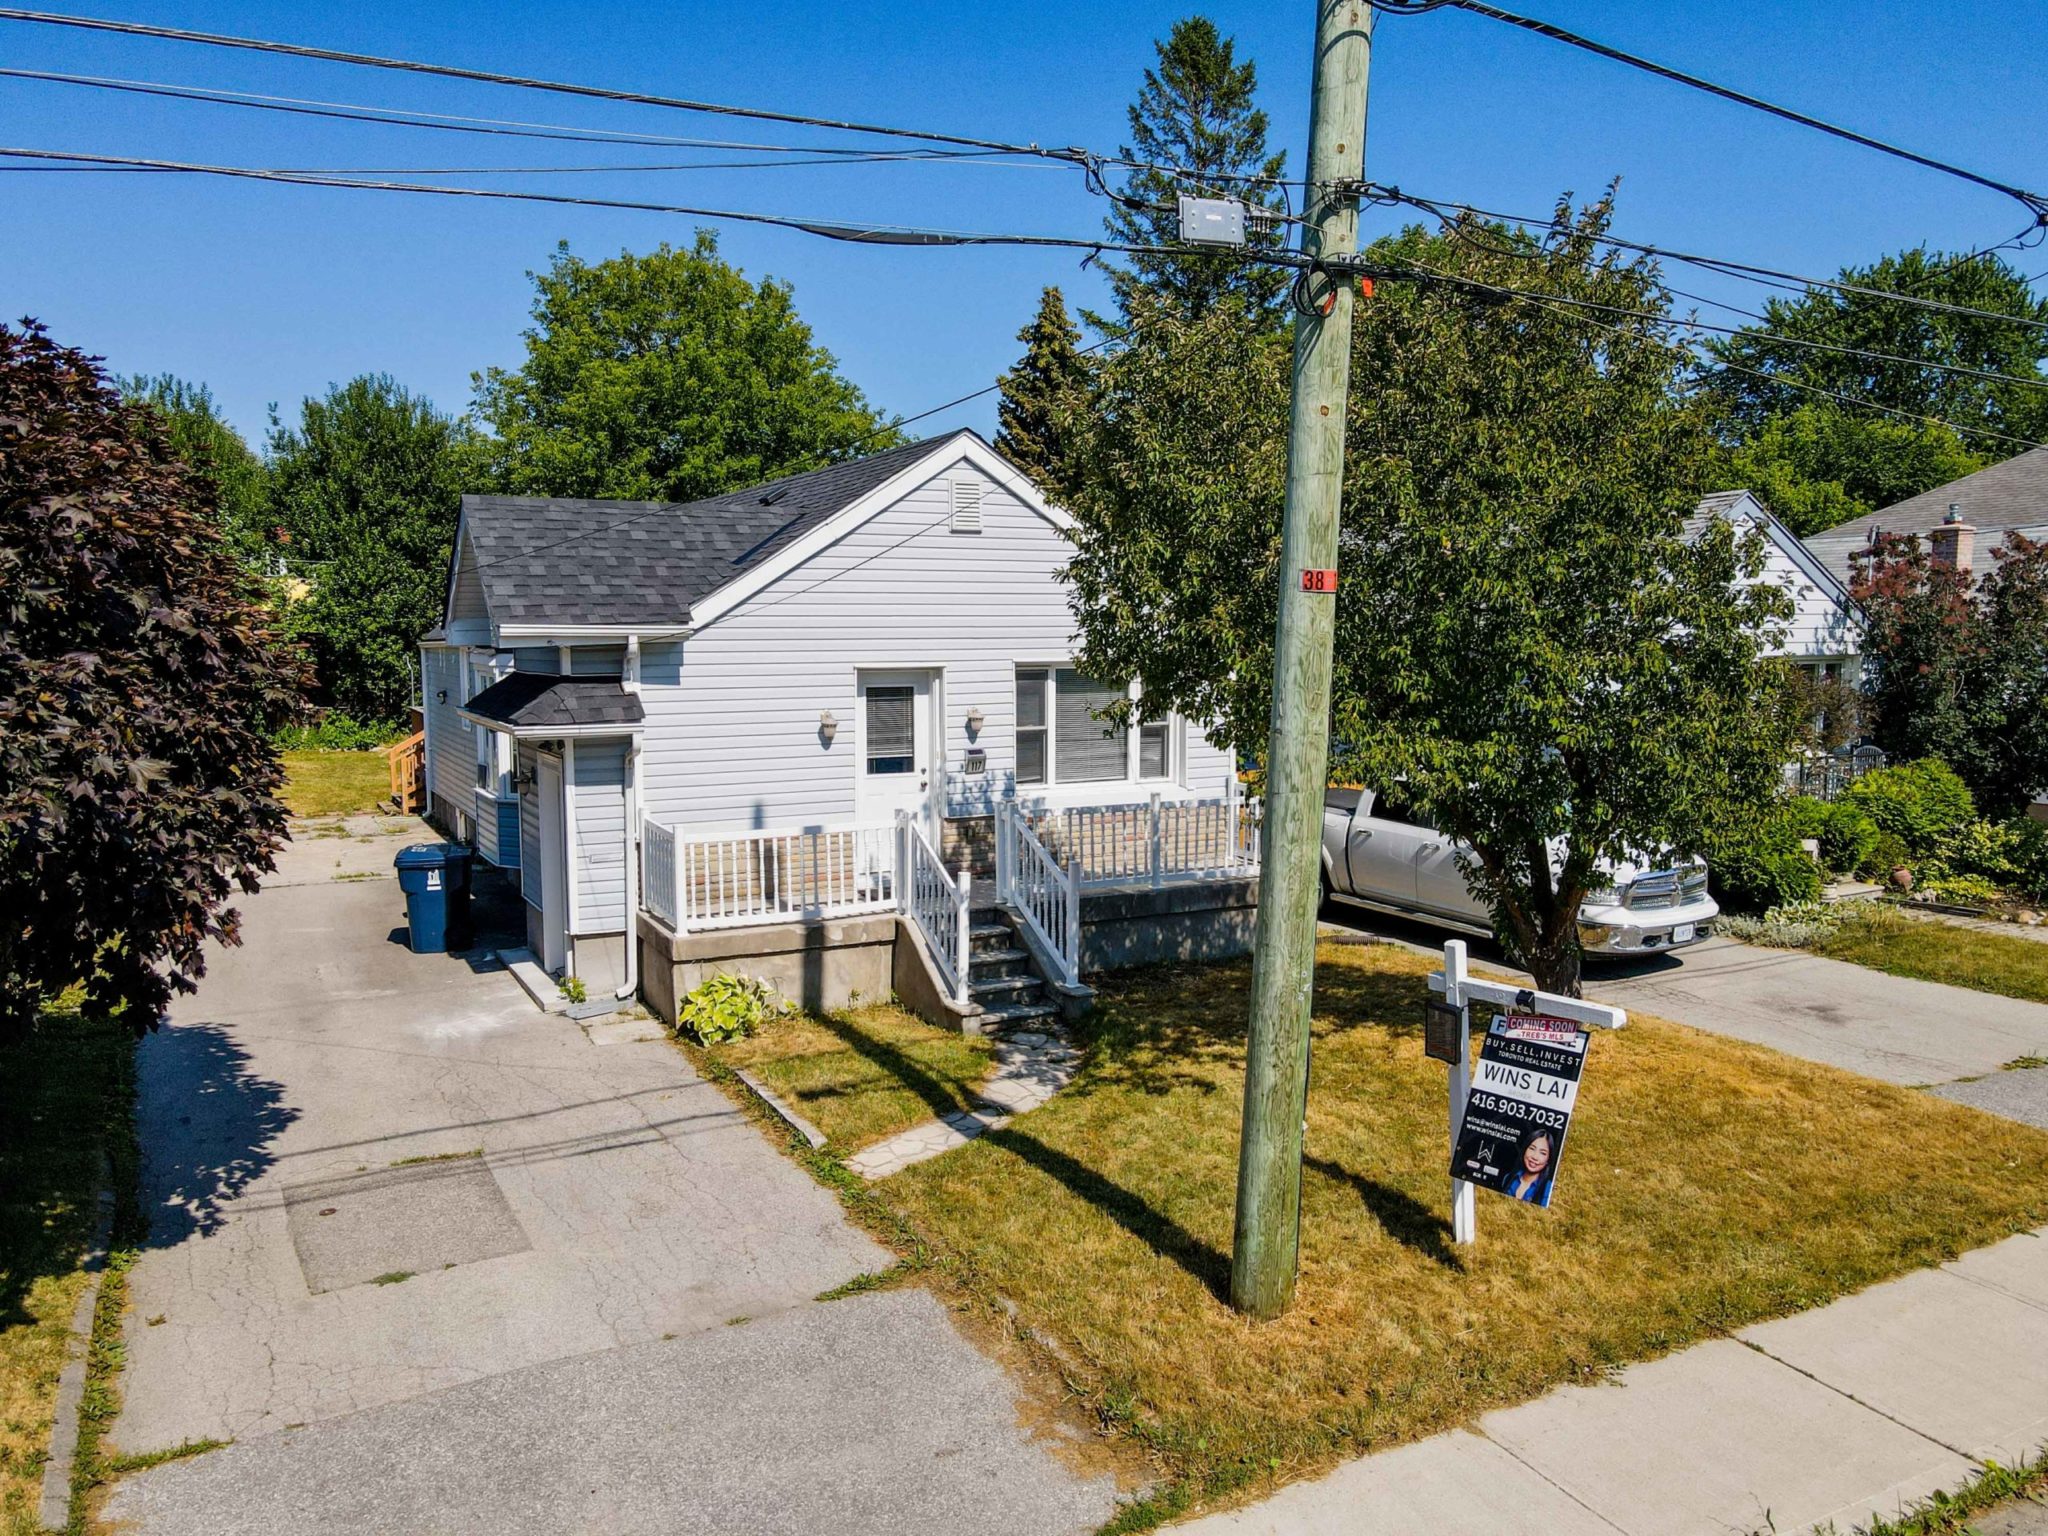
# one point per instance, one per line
(269, 293)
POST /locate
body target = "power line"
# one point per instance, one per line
(1576, 308)
(2033, 202)
(407, 117)
(936, 157)
(1767, 276)
(872, 234)
(528, 83)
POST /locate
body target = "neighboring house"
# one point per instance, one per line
(1825, 634)
(1963, 522)
(815, 700)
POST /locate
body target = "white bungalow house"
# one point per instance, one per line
(777, 730)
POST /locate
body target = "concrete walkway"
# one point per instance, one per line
(1829, 1418)
(1031, 1067)
(437, 1262)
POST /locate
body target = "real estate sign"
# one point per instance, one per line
(1524, 1084)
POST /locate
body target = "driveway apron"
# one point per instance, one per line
(375, 1177)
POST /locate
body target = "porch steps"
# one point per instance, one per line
(1005, 984)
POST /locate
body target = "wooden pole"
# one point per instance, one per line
(1268, 1236)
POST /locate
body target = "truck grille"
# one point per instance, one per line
(1663, 888)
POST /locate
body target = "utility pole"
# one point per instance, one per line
(1268, 1235)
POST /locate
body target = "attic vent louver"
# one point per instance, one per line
(966, 506)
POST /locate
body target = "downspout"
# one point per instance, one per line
(630, 682)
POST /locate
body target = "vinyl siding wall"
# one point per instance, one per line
(451, 740)
(467, 600)
(1821, 625)
(597, 798)
(528, 761)
(732, 734)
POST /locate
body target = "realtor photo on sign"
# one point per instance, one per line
(1524, 1085)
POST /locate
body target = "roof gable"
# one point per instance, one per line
(578, 562)
(1747, 505)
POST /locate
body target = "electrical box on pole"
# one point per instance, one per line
(1211, 220)
(1267, 1240)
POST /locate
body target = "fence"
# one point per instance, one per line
(1825, 776)
(1154, 843)
(743, 878)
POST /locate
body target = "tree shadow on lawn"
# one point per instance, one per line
(1400, 1215)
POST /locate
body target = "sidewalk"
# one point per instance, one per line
(1838, 1415)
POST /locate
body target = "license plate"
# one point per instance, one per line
(1682, 934)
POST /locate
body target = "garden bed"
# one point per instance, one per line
(1707, 1184)
(863, 1073)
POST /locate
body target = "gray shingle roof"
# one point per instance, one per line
(2010, 496)
(543, 701)
(570, 560)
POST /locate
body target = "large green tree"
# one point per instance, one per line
(366, 488)
(204, 441)
(1038, 394)
(1957, 665)
(140, 682)
(1527, 642)
(667, 376)
(1196, 127)
(1824, 461)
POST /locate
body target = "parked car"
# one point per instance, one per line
(1379, 853)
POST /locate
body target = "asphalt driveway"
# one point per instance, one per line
(435, 1261)
(1917, 1033)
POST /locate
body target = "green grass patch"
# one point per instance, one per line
(336, 783)
(864, 1073)
(1927, 950)
(1955, 1513)
(1707, 1184)
(65, 1093)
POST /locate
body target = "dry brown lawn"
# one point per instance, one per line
(1706, 1184)
(864, 1073)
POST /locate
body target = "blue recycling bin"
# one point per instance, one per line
(435, 879)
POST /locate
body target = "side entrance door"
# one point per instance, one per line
(896, 747)
(554, 865)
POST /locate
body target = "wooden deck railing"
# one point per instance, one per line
(408, 762)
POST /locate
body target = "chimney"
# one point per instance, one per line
(1954, 542)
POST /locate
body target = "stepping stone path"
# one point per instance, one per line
(1031, 1066)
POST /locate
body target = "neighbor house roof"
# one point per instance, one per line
(537, 703)
(2008, 497)
(574, 561)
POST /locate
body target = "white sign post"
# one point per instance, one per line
(1461, 991)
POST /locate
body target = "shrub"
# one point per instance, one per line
(1762, 865)
(728, 1007)
(1793, 927)
(1847, 836)
(1964, 890)
(336, 732)
(1922, 804)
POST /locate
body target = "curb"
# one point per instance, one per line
(795, 1121)
(55, 1510)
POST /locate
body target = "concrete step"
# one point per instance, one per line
(540, 986)
(1005, 1017)
(989, 935)
(998, 961)
(1012, 987)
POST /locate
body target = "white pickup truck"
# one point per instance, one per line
(1378, 853)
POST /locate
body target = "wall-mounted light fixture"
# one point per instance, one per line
(828, 726)
(975, 720)
(442, 696)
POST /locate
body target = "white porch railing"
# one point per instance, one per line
(734, 880)
(1045, 897)
(1156, 843)
(938, 901)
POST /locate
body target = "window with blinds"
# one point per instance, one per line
(1085, 749)
(1032, 686)
(892, 728)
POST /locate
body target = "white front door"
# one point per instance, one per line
(554, 866)
(895, 745)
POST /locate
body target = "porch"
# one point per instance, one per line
(992, 923)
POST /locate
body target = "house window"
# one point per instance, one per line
(1060, 740)
(1085, 749)
(891, 728)
(1153, 757)
(1032, 684)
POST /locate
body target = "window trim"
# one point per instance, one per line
(1133, 737)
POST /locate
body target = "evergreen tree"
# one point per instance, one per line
(1049, 376)
(1195, 118)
